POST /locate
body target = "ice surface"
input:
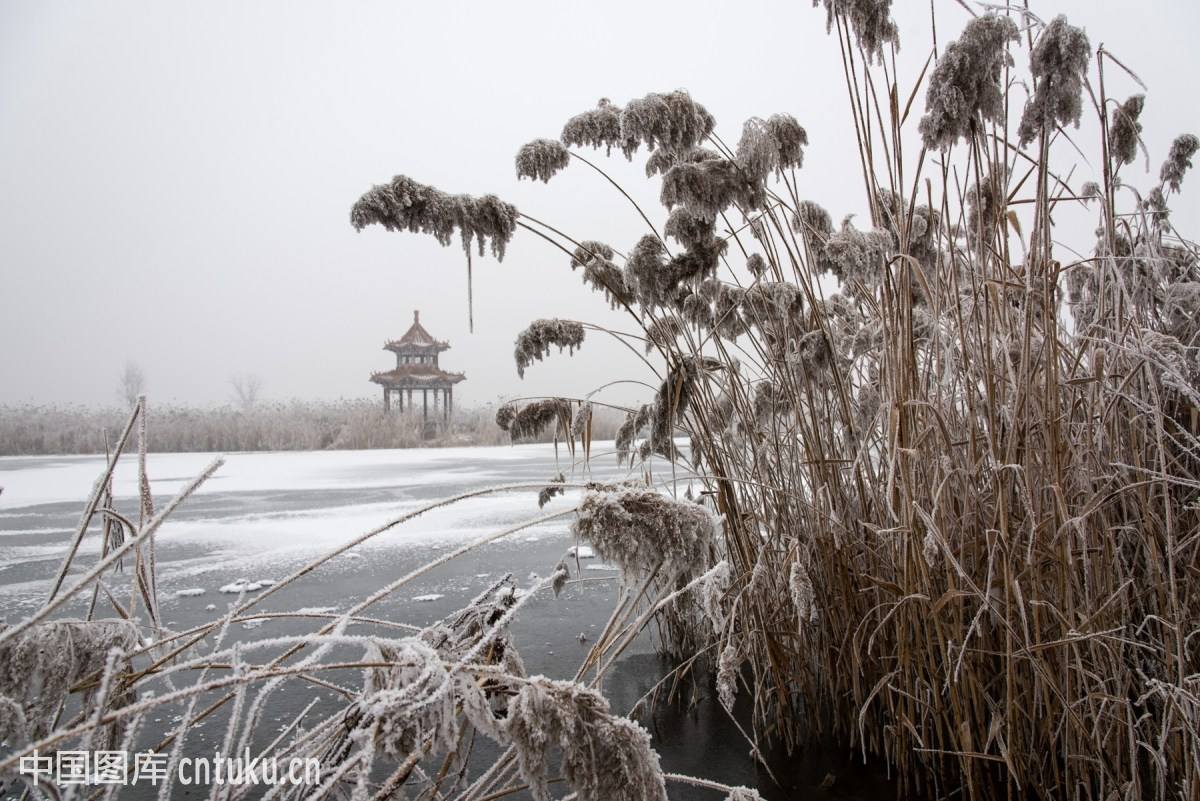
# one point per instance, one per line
(433, 596)
(268, 513)
(70, 479)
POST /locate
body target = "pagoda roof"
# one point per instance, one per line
(417, 375)
(416, 339)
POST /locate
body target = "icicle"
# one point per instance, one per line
(470, 298)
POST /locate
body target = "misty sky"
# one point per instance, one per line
(177, 178)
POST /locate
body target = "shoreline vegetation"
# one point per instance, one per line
(940, 501)
(297, 425)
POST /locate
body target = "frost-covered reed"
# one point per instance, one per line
(952, 448)
(535, 342)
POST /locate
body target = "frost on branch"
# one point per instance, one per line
(534, 343)
(858, 256)
(771, 146)
(728, 665)
(39, 667)
(541, 159)
(1179, 160)
(804, 596)
(871, 21)
(966, 83)
(634, 422)
(688, 228)
(598, 127)
(582, 421)
(403, 706)
(1124, 132)
(790, 140)
(533, 418)
(811, 219)
(709, 187)
(547, 493)
(1059, 65)
(665, 158)
(655, 280)
(672, 120)
(603, 757)
(418, 690)
(600, 273)
(405, 205)
(637, 528)
(505, 416)
(662, 333)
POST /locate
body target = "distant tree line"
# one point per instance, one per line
(258, 426)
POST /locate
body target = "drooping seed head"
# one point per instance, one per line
(1059, 63)
(965, 87)
(541, 159)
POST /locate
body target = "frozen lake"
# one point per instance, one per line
(263, 515)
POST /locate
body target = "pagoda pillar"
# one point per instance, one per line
(450, 402)
(400, 399)
(387, 400)
(425, 402)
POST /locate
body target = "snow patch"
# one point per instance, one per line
(189, 593)
(244, 585)
(433, 596)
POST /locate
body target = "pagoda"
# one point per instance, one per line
(417, 371)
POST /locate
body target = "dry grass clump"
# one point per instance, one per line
(955, 462)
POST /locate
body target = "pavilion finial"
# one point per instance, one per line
(416, 316)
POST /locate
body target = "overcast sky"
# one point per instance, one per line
(177, 178)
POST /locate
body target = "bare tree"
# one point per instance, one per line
(132, 384)
(246, 390)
